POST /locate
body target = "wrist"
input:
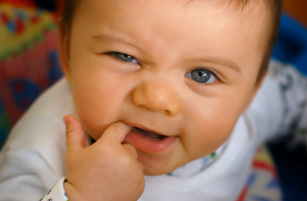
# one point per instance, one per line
(57, 192)
(72, 193)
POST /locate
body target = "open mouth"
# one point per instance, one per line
(149, 141)
(150, 135)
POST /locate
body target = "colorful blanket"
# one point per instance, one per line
(29, 61)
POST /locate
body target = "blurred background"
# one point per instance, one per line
(291, 161)
(29, 64)
(297, 9)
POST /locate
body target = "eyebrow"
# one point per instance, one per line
(215, 60)
(222, 62)
(106, 38)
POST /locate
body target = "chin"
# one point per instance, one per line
(155, 171)
(158, 166)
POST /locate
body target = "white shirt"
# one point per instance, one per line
(32, 160)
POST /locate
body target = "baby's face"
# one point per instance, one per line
(180, 74)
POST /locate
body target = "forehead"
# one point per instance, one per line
(243, 8)
(203, 25)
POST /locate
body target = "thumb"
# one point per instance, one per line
(75, 137)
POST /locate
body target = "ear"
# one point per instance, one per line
(255, 90)
(64, 45)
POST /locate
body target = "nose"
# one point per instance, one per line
(157, 96)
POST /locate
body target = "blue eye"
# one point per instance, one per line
(124, 57)
(201, 76)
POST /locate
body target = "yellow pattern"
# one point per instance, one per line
(13, 43)
(263, 155)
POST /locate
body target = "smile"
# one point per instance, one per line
(149, 141)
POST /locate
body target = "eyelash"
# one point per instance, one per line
(114, 54)
(199, 77)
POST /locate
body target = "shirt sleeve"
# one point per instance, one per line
(33, 157)
(57, 193)
(279, 107)
(24, 176)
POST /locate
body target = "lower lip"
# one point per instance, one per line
(144, 144)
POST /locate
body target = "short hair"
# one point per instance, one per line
(275, 6)
(69, 9)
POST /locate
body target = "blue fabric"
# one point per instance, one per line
(292, 44)
(24, 92)
(291, 48)
(5, 124)
(55, 72)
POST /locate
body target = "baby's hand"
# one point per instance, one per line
(106, 170)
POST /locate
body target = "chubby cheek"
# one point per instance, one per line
(97, 97)
(211, 120)
(209, 126)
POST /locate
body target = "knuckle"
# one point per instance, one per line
(71, 132)
(119, 127)
(107, 143)
(108, 148)
(126, 162)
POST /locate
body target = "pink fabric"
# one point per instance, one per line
(33, 65)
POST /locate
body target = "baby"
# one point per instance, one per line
(157, 88)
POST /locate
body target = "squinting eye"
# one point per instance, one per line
(124, 57)
(201, 76)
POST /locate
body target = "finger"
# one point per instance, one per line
(116, 131)
(131, 150)
(75, 138)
